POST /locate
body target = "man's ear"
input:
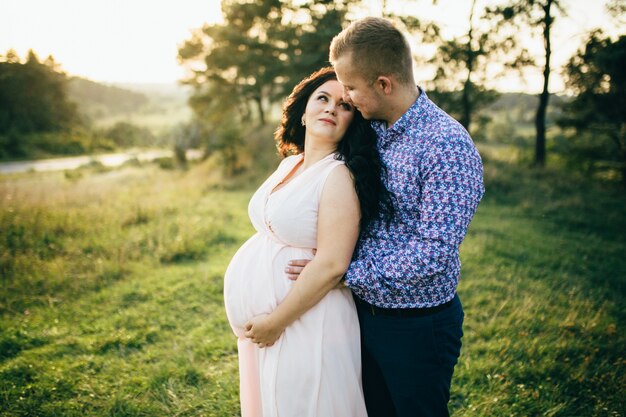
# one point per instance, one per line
(384, 84)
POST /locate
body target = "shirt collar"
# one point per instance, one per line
(409, 117)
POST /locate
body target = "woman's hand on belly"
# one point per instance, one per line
(262, 331)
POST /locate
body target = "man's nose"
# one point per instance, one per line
(346, 96)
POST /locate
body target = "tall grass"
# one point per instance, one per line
(544, 284)
(111, 298)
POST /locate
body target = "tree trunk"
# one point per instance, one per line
(466, 116)
(466, 99)
(623, 143)
(540, 118)
(259, 102)
(620, 142)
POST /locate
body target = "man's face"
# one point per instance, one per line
(358, 91)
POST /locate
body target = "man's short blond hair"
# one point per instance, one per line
(376, 48)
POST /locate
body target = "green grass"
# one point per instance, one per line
(111, 298)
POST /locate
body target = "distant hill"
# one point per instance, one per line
(154, 106)
(98, 100)
(166, 90)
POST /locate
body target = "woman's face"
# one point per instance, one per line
(327, 116)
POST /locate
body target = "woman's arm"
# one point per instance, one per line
(337, 233)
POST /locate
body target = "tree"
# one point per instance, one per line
(33, 96)
(461, 65)
(534, 14)
(617, 10)
(127, 135)
(34, 108)
(459, 84)
(242, 67)
(10, 57)
(258, 54)
(596, 74)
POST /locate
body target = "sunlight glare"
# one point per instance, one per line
(106, 40)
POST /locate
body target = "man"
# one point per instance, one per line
(404, 275)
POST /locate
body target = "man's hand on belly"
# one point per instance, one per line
(295, 267)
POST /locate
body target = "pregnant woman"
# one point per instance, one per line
(298, 341)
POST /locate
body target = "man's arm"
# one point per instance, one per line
(451, 187)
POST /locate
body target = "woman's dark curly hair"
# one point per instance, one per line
(357, 148)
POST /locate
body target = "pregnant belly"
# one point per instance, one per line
(255, 281)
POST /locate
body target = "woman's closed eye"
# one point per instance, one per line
(324, 98)
(346, 106)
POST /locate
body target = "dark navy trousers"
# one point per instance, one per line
(408, 361)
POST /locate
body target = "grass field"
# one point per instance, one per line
(111, 298)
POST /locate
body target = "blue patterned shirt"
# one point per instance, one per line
(436, 175)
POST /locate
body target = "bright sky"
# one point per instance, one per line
(136, 40)
(106, 40)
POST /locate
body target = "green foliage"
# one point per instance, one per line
(165, 163)
(44, 114)
(11, 145)
(469, 105)
(33, 97)
(185, 136)
(239, 151)
(230, 144)
(597, 113)
(277, 43)
(37, 119)
(111, 297)
(76, 141)
(461, 69)
(617, 10)
(536, 16)
(126, 135)
(231, 80)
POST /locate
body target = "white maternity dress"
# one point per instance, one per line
(314, 369)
